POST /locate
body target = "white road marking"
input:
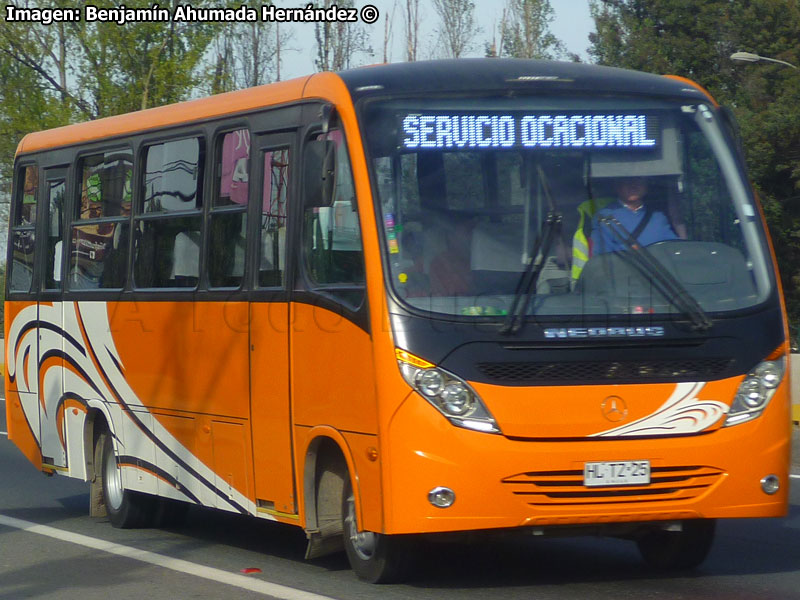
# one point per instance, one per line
(5, 433)
(793, 476)
(175, 564)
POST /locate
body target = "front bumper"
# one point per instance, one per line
(507, 483)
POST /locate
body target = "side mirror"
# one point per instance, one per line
(319, 173)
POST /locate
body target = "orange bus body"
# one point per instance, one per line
(234, 404)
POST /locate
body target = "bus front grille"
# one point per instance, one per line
(587, 372)
(565, 488)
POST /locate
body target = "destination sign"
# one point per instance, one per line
(461, 131)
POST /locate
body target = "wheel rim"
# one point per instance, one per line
(362, 542)
(112, 480)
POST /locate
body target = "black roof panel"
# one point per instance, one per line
(507, 74)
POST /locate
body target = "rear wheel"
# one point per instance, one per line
(170, 514)
(374, 557)
(126, 509)
(678, 550)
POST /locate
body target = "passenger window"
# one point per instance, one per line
(228, 218)
(173, 178)
(168, 229)
(272, 254)
(100, 231)
(23, 231)
(334, 254)
(233, 169)
(30, 187)
(105, 185)
(56, 191)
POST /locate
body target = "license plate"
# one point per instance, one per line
(621, 472)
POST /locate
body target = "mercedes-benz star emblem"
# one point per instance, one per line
(614, 409)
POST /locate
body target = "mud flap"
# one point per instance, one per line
(324, 541)
(97, 503)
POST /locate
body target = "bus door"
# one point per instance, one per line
(22, 401)
(269, 326)
(51, 321)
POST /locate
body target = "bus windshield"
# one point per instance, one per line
(469, 189)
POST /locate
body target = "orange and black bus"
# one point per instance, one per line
(402, 301)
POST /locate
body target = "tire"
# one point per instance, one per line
(374, 557)
(678, 550)
(170, 514)
(126, 509)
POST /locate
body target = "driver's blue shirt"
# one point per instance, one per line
(657, 229)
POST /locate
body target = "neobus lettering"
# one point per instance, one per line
(595, 332)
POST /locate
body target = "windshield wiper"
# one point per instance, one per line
(644, 261)
(527, 283)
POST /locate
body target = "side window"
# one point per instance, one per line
(23, 229)
(168, 222)
(272, 254)
(56, 193)
(334, 255)
(228, 218)
(710, 215)
(100, 230)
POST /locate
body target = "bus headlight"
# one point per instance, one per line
(770, 373)
(448, 393)
(755, 391)
(430, 383)
(457, 400)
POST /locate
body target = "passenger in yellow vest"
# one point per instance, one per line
(580, 241)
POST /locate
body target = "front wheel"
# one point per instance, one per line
(374, 557)
(126, 509)
(678, 550)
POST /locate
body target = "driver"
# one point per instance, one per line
(646, 224)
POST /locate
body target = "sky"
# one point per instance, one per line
(571, 25)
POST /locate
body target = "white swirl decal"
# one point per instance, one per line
(682, 413)
(66, 350)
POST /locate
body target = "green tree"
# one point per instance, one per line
(27, 105)
(525, 30)
(413, 19)
(338, 43)
(245, 54)
(137, 66)
(695, 40)
(56, 74)
(457, 27)
(96, 69)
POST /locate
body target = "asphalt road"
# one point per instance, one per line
(74, 556)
